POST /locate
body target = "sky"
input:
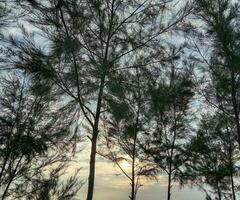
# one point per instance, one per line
(111, 184)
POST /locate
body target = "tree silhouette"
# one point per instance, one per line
(31, 134)
(125, 126)
(170, 115)
(89, 42)
(213, 157)
(221, 19)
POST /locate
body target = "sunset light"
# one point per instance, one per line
(119, 99)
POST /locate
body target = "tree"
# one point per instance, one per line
(125, 125)
(215, 165)
(221, 18)
(53, 187)
(170, 118)
(213, 157)
(31, 134)
(89, 43)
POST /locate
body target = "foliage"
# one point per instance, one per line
(31, 133)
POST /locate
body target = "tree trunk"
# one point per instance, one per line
(133, 185)
(233, 187)
(169, 185)
(133, 192)
(172, 150)
(91, 177)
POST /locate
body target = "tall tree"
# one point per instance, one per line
(221, 25)
(170, 115)
(125, 125)
(89, 43)
(216, 140)
(31, 133)
(213, 160)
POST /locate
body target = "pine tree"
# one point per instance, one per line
(126, 123)
(31, 133)
(170, 119)
(213, 157)
(221, 21)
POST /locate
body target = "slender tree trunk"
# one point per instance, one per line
(96, 123)
(233, 187)
(170, 171)
(98, 111)
(133, 184)
(133, 181)
(91, 177)
(172, 148)
(169, 185)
